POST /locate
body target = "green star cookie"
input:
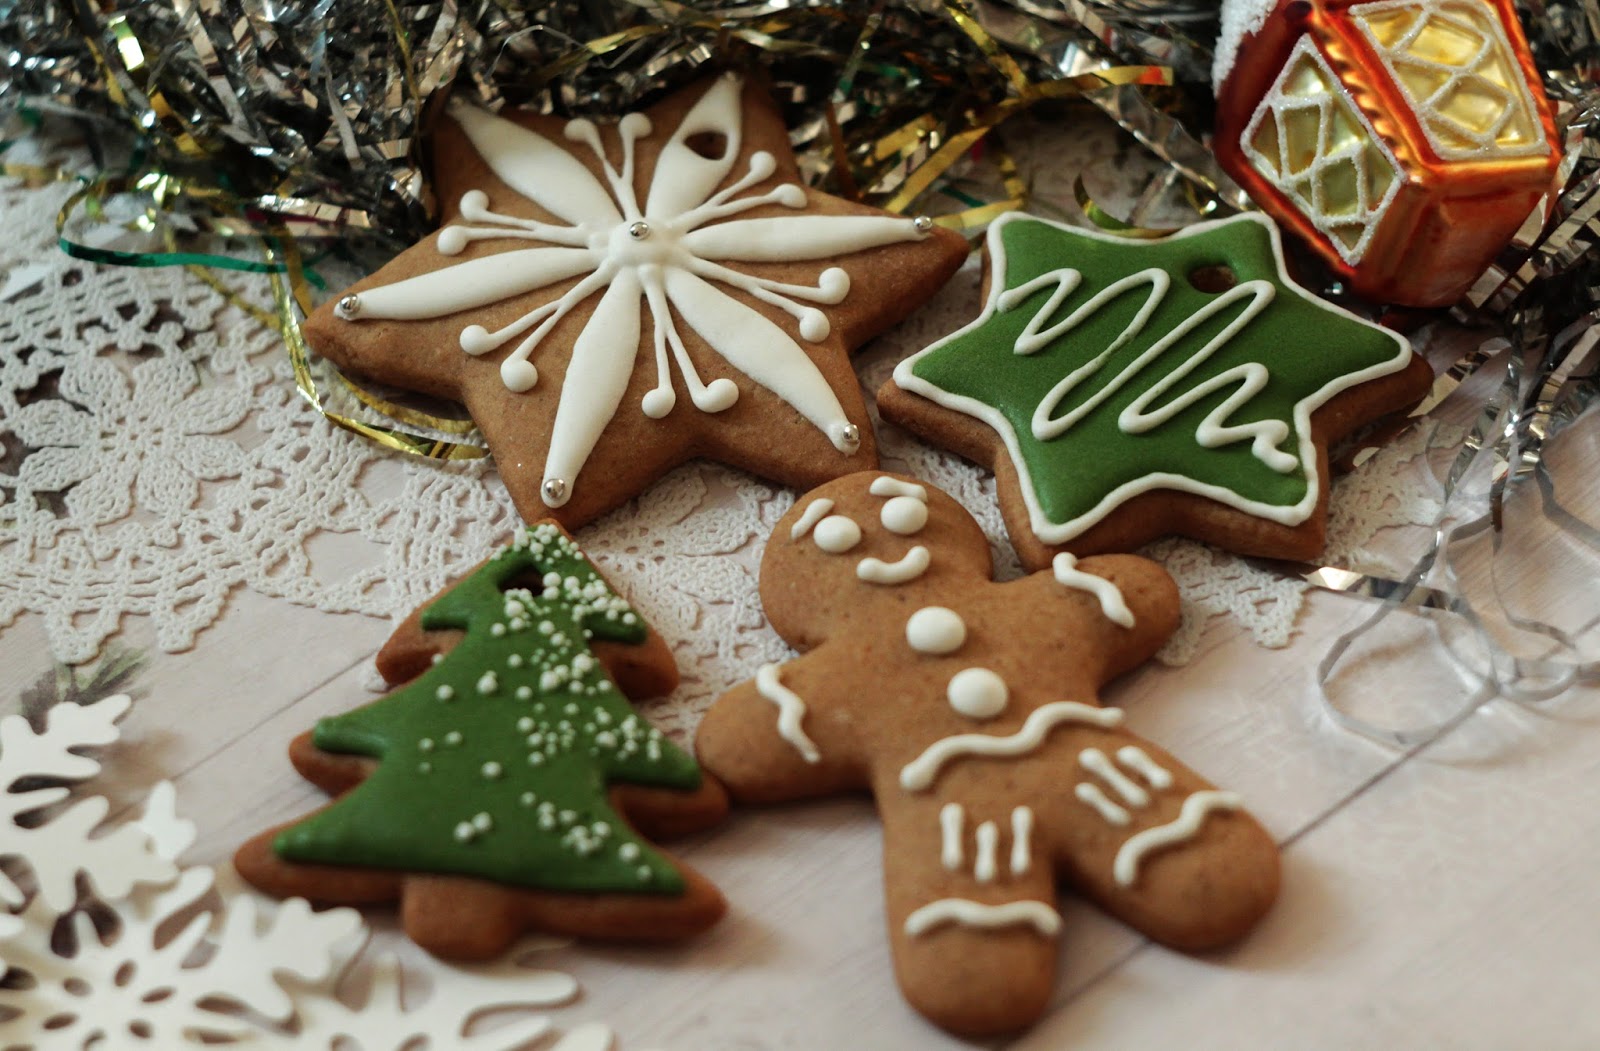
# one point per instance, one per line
(1124, 390)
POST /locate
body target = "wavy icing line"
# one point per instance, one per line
(791, 710)
(1036, 914)
(1125, 869)
(920, 772)
(1112, 604)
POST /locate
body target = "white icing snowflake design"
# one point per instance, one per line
(666, 253)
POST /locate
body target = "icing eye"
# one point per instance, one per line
(836, 534)
(904, 515)
(978, 693)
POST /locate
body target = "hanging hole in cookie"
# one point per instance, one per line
(1213, 279)
(712, 145)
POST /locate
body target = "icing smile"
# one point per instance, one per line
(673, 249)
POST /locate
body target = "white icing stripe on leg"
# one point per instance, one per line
(1021, 847)
(920, 772)
(1125, 868)
(984, 868)
(815, 512)
(910, 566)
(791, 710)
(1095, 761)
(1091, 795)
(951, 819)
(1036, 914)
(1112, 604)
(1140, 763)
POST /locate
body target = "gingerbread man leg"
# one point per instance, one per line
(971, 913)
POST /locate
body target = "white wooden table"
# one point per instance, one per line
(1441, 899)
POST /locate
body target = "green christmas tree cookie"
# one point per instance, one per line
(496, 787)
(1125, 389)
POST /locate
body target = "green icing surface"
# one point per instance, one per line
(1305, 345)
(495, 762)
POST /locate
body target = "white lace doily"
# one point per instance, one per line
(157, 457)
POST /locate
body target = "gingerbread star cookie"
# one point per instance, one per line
(970, 710)
(505, 784)
(1123, 390)
(611, 301)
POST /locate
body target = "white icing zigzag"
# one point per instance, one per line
(920, 772)
(671, 253)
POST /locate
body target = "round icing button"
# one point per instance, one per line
(904, 515)
(837, 534)
(936, 630)
(978, 693)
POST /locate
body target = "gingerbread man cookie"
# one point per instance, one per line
(969, 709)
(505, 784)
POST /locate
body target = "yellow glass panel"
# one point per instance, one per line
(1389, 26)
(1302, 130)
(1266, 143)
(1447, 43)
(1420, 81)
(1308, 139)
(1453, 62)
(1341, 189)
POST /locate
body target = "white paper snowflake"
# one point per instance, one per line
(63, 845)
(665, 252)
(191, 959)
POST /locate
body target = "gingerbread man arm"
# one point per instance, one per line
(778, 737)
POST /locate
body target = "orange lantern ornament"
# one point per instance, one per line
(1404, 140)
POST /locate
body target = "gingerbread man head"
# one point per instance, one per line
(970, 710)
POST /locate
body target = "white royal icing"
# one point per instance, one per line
(936, 630)
(815, 512)
(951, 819)
(984, 866)
(1035, 914)
(1136, 417)
(920, 772)
(836, 534)
(1112, 604)
(1091, 795)
(1021, 846)
(1125, 869)
(1135, 759)
(977, 693)
(791, 712)
(1095, 761)
(904, 515)
(884, 485)
(909, 567)
(664, 256)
